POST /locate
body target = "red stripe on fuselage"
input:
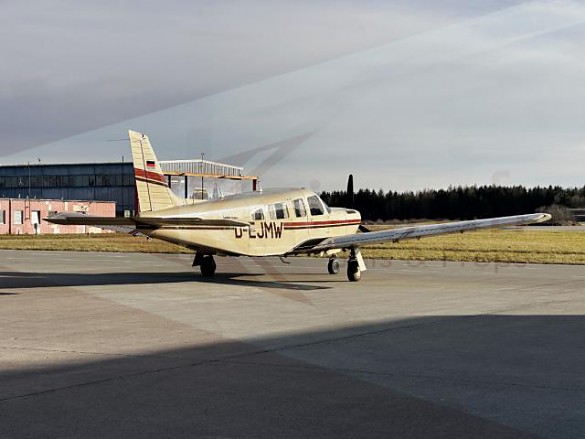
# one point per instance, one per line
(305, 224)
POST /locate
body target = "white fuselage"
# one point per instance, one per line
(275, 222)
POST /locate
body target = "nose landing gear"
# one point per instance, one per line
(355, 265)
(333, 265)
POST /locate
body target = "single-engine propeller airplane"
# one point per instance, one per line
(275, 222)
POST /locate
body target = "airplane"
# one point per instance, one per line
(273, 222)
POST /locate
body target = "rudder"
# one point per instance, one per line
(151, 184)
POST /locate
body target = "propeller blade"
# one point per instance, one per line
(349, 192)
(350, 197)
(363, 229)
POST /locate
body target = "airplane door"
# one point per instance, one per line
(257, 234)
(318, 217)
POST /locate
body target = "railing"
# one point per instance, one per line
(203, 167)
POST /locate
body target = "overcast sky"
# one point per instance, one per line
(404, 94)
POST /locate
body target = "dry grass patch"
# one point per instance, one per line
(521, 245)
(514, 246)
(107, 242)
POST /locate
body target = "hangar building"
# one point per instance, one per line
(25, 216)
(84, 181)
(115, 181)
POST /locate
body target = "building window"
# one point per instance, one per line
(2, 217)
(18, 215)
(35, 217)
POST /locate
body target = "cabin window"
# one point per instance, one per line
(278, 211)
(2, 217)
(315, 205)
(300, 210)
(258, 215)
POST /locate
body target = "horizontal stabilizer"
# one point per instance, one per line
(81, 219)
(182, 221)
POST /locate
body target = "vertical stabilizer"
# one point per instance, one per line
(151, 184)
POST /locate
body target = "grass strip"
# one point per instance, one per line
(513, 246)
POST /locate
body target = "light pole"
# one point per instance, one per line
(202, 155)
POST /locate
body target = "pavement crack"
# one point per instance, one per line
(401, 375)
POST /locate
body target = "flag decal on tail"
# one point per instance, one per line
(150, 164)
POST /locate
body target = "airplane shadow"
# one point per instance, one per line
(280, 283)
(13, 280)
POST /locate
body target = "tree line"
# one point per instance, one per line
(457, 202)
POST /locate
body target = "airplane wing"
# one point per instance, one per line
(117, 223)
(396, 235)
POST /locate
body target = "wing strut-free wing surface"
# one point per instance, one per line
(400, 234)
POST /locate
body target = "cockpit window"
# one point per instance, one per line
(258, 215)
(278, 211)
(300, 210)
(315, 205)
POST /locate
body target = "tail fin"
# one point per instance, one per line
(151, 184)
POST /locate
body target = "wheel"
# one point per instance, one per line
(353, 271)
(333, 266)
(208, 266)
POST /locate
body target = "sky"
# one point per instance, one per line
(406, 95)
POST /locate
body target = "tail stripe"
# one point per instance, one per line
(150, 177)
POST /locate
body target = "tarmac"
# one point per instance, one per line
(97, 345)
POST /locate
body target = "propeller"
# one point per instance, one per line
(350, 194)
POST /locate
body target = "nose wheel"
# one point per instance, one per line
(355, 265)
(333, 266)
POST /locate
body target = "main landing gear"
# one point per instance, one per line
(206, 264)
(355, 265)
(354, 273)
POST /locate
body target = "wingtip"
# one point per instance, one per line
(543, 217)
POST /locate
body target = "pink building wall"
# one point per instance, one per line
(18, 216)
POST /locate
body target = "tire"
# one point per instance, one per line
(208, 266)
(333, 266)
(353, 271)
